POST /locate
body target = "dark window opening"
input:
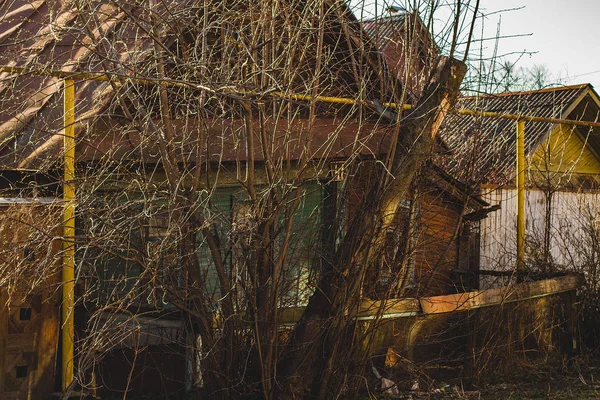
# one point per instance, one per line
(25, 314)
(28, 254)
(21, 371)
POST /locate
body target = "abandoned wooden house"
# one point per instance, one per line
(562, 176)
(137, 164)
(111, 153)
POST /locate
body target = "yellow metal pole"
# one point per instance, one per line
(68, 271)
(520, 177)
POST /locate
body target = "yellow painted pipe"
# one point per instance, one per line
(95, 76)
(120, 78)
(338, 100)
(520, 177)
(68, 270)
(529, 118)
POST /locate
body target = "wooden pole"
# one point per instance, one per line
(68, 271)
(520, 177)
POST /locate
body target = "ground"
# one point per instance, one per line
(578, 378)
(555, 388)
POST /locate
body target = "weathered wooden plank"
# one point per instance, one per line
(20, 341)
(491, 297)
(29, 307)
(391, 308)
(48, 336)
(397, 308)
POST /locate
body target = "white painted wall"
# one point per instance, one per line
(572, 216)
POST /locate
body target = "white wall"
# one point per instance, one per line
(572, 216)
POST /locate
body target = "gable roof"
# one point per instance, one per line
(50, 34)
(399, 35)
(383, 29)
(483, 149)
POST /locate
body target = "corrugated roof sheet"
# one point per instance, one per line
(51, 34)
(398, 37)
(382, 30)
(483, 149)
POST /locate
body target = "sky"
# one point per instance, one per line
(560, 34)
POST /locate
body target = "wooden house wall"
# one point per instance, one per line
(436, 248)
(29, 307)
(435, 232)
(228, 212)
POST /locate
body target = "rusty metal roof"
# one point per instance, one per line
(382, 30)
(398, 36)
(483, 149)
(51, 34)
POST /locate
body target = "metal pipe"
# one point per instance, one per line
(520, 177)
(68, 270)
(120, 78)
(529, 118)
(337, 100)
(95, 76)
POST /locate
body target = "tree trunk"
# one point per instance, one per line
(312, 355)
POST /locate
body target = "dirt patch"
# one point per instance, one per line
(556, 387)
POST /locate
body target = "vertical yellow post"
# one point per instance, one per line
(520, 177)
(68, 271)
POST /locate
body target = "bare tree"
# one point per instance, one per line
(203, 163)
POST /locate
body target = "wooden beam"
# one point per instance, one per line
(406, 307)
(392, 308)
(496, 296)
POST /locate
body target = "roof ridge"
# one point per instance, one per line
(386, 18)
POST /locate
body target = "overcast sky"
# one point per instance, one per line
(564, 35)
